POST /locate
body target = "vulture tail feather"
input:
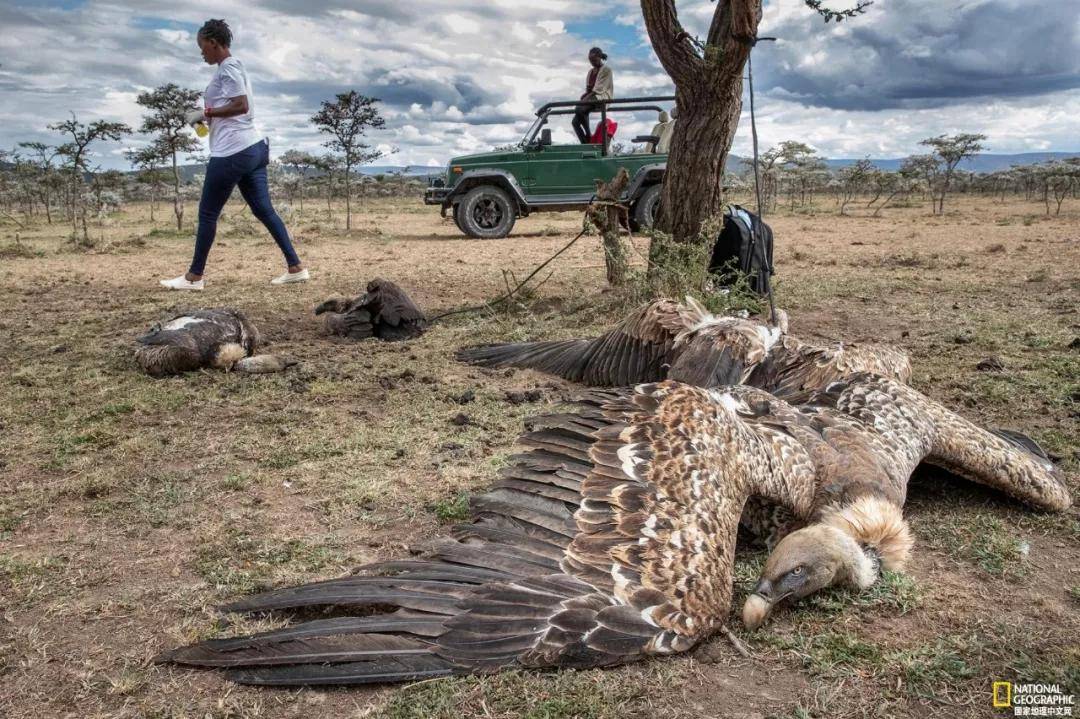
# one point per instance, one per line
(564, 358)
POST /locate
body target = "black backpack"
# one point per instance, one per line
(746, 247)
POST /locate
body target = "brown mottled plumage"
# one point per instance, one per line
(684, 342)
(612, 537)
(220, 338)
(609, 540)
(384, 311)
(866, 435)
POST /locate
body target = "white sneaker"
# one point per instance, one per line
(182, 283)
(289, 277)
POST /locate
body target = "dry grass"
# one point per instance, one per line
(129, 507)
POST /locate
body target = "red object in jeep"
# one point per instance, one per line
(598, 136)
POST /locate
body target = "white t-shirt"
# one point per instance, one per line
(230, 135)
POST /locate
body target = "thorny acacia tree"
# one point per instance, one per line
(168, 105)
(948, 151)
(76, 153)
(300, 163)
(148, 161)
(347, 120)
(46, 179)
(708, 77)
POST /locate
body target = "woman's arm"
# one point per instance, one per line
(236, 106)
(604, 89)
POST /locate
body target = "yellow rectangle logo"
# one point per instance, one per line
(1002, 695)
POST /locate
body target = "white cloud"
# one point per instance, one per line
(458, 76)
(552, 27)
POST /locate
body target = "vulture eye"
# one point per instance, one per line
(796, 571)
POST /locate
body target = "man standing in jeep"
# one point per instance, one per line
(599, 85)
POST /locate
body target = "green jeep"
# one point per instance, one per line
(488, 192)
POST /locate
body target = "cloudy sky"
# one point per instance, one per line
(459, 76)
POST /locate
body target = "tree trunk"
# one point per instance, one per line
(178, 206)
(708, 90)
(348, 205)
(605, 217)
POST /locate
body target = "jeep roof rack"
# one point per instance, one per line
(569, 107)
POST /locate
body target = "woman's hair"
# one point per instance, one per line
(218, 31)
(598, 51)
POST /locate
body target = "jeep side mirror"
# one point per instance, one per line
(545, 137)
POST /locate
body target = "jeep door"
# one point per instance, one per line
(566, 172)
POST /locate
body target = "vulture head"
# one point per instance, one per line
(847, 546)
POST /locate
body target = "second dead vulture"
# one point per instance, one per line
(684, 342)
(219, 338)
(384, 311)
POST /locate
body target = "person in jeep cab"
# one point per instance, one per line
(599, 85)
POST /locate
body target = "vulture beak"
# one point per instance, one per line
(760, 604)
(146, 338)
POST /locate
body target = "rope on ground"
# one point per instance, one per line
(515, 290)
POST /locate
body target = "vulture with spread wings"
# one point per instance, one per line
(219, 338)
(612, 537)
(384, 311)
(684, 342)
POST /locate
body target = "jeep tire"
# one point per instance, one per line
(646, 209)
(457, 218)
(486, 212)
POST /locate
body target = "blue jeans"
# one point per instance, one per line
(247, 169)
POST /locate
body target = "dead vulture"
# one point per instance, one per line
(384, 311)
(864, 437)
(684, 342)
(222, 338)
(611, 538)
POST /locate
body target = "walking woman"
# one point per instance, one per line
(599, 85)
(238, 157)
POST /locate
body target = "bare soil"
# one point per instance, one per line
(130, 507)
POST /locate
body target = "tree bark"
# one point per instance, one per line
(178, 206)
(605, 217)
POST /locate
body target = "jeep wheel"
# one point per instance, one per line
(457, 218)
(486, 212)
(646, 209)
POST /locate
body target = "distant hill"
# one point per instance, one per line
(188, 172)
(979, 163)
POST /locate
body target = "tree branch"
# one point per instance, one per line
(671, 43)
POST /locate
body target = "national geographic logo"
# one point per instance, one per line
(1033, 700)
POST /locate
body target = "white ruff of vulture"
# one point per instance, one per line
(866, 436)
(684, 342)
(385, 311)
(612, 538)
(220, 338)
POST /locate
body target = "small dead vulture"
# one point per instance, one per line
(686, 343)
(221, 338)
(384, 311)
(612, 537)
